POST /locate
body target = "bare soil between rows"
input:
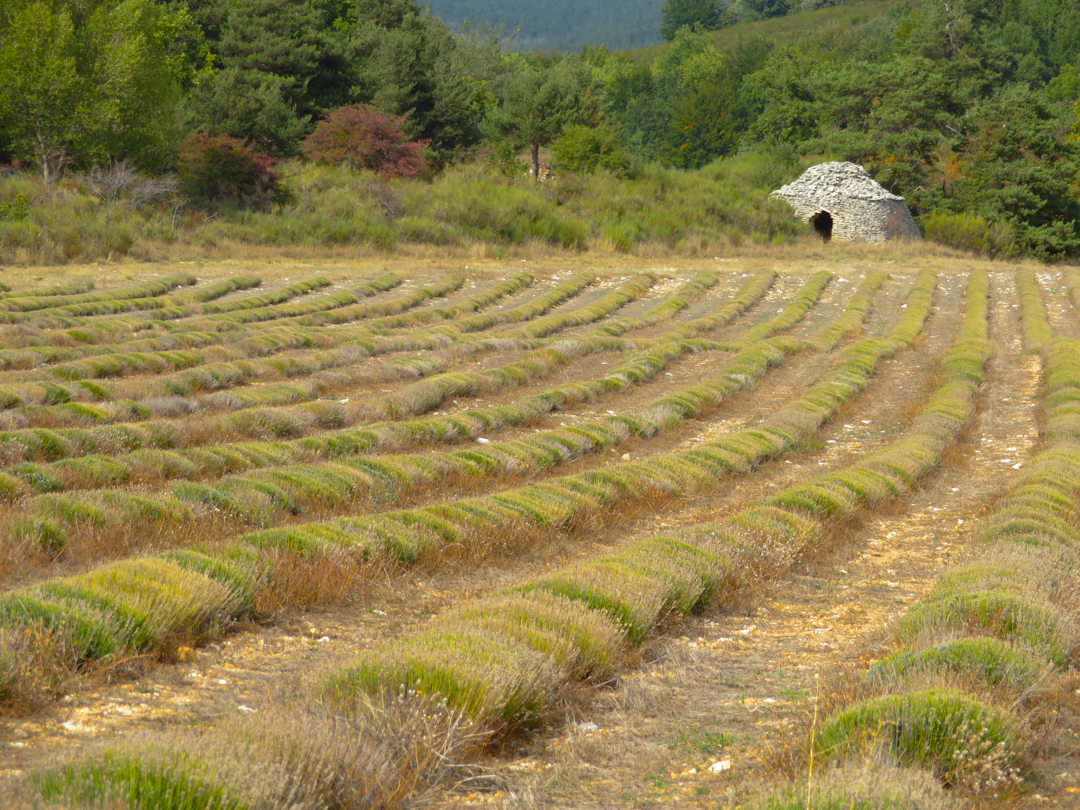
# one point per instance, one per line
(720, 687)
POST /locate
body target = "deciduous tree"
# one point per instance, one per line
(83, 83)
(360, 136)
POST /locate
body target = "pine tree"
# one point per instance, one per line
(698, 15)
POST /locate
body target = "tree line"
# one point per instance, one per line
(967, 109)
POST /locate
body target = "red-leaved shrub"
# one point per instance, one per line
(361, 137)
(218, 168)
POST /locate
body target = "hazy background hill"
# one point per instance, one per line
(563, 24)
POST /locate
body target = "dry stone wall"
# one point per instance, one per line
(843, 202)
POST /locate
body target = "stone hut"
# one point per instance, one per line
(842, 202)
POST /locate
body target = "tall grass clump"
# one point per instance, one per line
(479, 208)
(966, 231)
(960, 739)
(864, 786)
(989, 661)
(377, 755)
(694, 213)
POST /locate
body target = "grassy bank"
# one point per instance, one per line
(655, 211)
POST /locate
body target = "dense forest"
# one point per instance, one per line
(967, 109)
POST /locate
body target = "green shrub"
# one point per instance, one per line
(989, 660)
(1004, 614)
(969, 232)
(493, 680)
(582, 642)
(585, 149)
(142, 778)
(960, 739)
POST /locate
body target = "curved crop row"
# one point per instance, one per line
(502, 660)
(255, 342)
(121, 362)
(106, 329)
(219, 289)
(999, 626)
(794, 312)
(64, 404)
(335, 301)
(397, 318)
(294, 489)
(266, 299)
(523, 312)
(11, 306)
(197, 376)
(626, 292)
(885, 473)
(635, 585)
(68, 288)
(174, 460)
(262, 493)
(547, 507)
(1033, 319)
(756, 287)
(1072, 284)
(399, 311)
(39, 445)
(53, 343)
(854, 314)
(667, 309)
(129, 444)
(156, 305)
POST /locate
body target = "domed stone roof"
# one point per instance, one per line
(841, 201)
(836, 179)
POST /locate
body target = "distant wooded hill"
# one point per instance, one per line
(562, 24)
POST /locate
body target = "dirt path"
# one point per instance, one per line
(721, 688)
(260, 664)
(695, 724)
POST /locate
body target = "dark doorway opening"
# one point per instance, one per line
(822, 222)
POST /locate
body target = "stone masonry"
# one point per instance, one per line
(842, 201)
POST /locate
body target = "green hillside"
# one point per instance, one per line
(562, 24)
(628, 25)
(782, 30)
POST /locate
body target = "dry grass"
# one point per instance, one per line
(527, 657)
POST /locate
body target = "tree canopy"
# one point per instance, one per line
(77, 79)
(539, 100)
(969, 108)
(697, 15)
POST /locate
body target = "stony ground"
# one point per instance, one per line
(720, 703)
